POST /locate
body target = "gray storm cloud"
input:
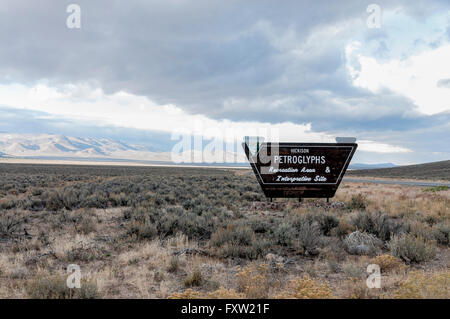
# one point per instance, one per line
(238, 60)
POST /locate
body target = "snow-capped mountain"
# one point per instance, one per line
(50, 145)
(67, 147)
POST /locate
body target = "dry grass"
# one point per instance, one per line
(210, 243)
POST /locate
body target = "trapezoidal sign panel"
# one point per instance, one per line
(300, 169)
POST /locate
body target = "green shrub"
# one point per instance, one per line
(251, 196)
(53, 200)
(238, 240)
(174, 264)
(10, 223)
(436, 189)
(308, 235)
(327, 222)
(55, 287)
(194, 280)
(411, 249)
(357, 202)
(87, 225)
(441, 232)
(141, 230)
(378, 224)
(257, 249)
(285, 234)
(83, 254)
(234, 234)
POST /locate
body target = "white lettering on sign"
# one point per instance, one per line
(282, 170)
(299, 150)
(293, 179)
(299, 159)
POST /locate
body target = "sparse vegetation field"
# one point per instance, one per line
(170, 232)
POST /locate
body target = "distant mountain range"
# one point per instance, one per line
(51, 145)
(61, 147)
(371, 166)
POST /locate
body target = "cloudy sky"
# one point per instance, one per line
(139, 71)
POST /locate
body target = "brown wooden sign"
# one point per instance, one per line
(300, 170)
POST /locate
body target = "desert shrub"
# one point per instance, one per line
(34, 204)
(220, 293)
(309, 236)
(363, 222)
(418, 229)
(10, 223)
(307, 233)
(223, 293)
(87, 225)
(233, 234)
(253, 281)
(358, 243)
(43, 238)
(353, 270)
(194, 226)
(95, 201)
(388, 263)
(385, 226)
(174, 264)
(7, 203)
(418, 285)
(378, 224)
(306, 288)
(170, 199)
(171, 220)
(53, 200)
(120, 199)
(327, 222)
(251, 196)
(260, 226)
(284, 234)
(357, 202)
(70, 198)
(158, 200)
(141, 230)
(55, 287)
(69, 217)
(344, 228)
(36, 191)
(355, 288)
(257, 248)
(436, 189)
(411, 249)
(187, 294)
(194, 280)
(83, 253)
(441, 233)
(19, 273)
